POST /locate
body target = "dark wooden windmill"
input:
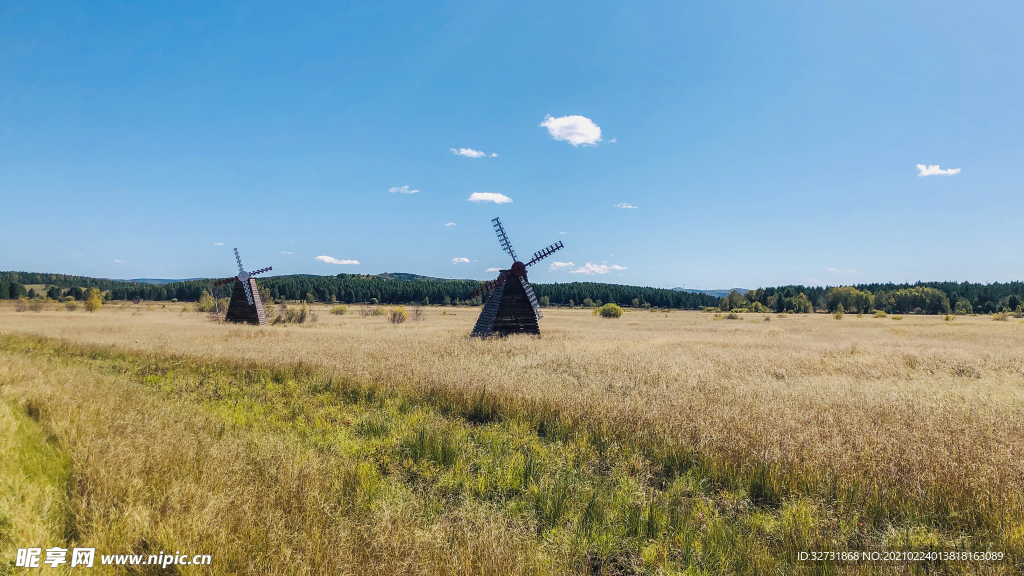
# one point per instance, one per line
(246, 306)
(512, 306)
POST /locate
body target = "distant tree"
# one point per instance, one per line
(93, 299)
(588, 303)
(636, 302)
(206, 302)
(53, 293)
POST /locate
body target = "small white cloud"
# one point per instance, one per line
(285, 252)
(493, 270)
(402, 190)
(331, 260)
(590, 269)
(561, 232)
(489, 197)
(493, 155)
(218, 243)
(936, 171)
(469, 153)
(460, 260)
(449, 223)
(846, 271)
(561, 265)
(626, 205)
(613, 141)
(116, 260)
(575, 130)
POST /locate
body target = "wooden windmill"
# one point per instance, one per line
(512, 306)
(245, 306)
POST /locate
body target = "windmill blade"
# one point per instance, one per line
(261, 270)
(239, 260)
(531, 296)
(538, 256)
(503, 239)
(487, 287)
(248, 292)
(225, 281)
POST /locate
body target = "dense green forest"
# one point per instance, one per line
(384, 288)
(921, 297)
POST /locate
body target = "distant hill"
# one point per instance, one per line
(406, 277)
(721, 293)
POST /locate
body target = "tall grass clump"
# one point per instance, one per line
(397, 315)
(339, 310)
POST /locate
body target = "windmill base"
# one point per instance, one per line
(240, 311)
(507, 311)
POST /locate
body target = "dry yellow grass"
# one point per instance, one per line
(918, 418)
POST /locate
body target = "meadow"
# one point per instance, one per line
(661, 442)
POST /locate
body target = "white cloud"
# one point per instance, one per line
(469, 153)
(613, 140)
(115, 260)
(847, 271)
(493, 270)
(626, 205)
(936, 171)
(218, 243)
(285, 252)
(402, 190)
(493, 155)
(575, 130)
(561, 232)
(590, 269)
(449, 223)
(331, 260)
(561, 265)
(460, 260)
(489, 197)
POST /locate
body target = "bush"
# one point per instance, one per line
(608, 311)
(897, 317)
(71, 305)
(397, 315)
(35, 305)
(838, 314)
(206, 303)
(1001, 316)
(711, 309)
(732, 316)
(93, 299)
(588, 303)
(339, 310)
(879, 314)
(287, 315)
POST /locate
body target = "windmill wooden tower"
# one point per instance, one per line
(245, 306)
(512, 306)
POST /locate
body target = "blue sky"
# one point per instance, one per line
(758, 143)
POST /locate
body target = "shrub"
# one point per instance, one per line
(608, 311)
(948, 317)
(93, 299)
(767, 318)
(1001, 316)
(732, 316)
(288, 315)
(838, 314)
(398, 315)
(588, 303)
(206, 303)
(879, 314)
(339, 310)
(35, 305)
(71, 305)
(897, 317)
(711, 309)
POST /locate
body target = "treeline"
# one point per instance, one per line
(918, 298)
(921, 297)
(353, 288)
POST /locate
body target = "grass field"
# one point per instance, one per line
(659, 442)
